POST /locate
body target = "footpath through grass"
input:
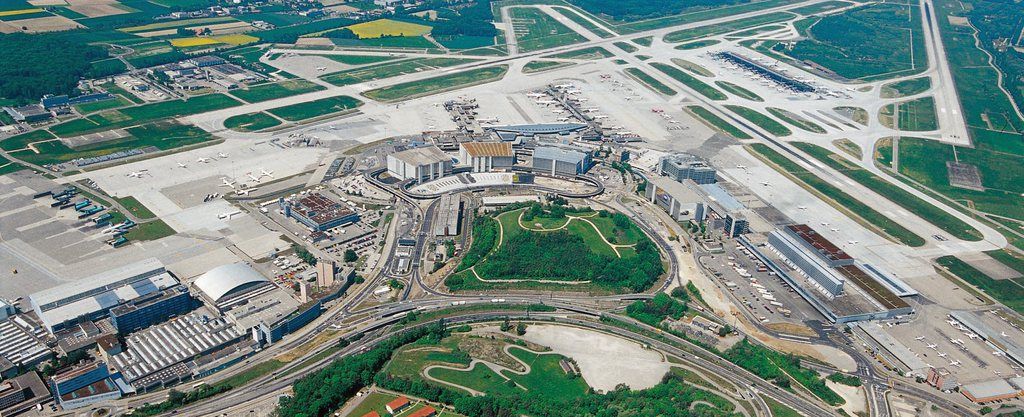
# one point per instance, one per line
(934, 215)
(843, 201)
(434, 85)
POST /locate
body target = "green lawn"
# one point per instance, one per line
(1010, 292)
(271, 91)
(699, 86)
(480, 378)
(135, 207)
(391, 69)
(649, 81)
(915, 115)
(580, 20)
(251, 122)
(112, 119)
(22, 140)
(437, 84)
(778, 409)
(761, 120)
(795, 120)
(546, 376)
(535, 30)
(96, 106)
(732, 26)
(7, 167)
(820, 7)
(945, 221)
(738, 91)
(375, 401)
(698, 44)
(697, 14)
(538, 66)
(360, 59)
(626, 46)
(315, 108)
(591, 53)
(718, 123)
(852, 206)
(906, 87)
(644, 41)
(162, 135)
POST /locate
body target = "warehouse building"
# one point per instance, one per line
(808, 265)
(890, 350)
(686, 167)
(318, 212)
(29, 114)
(86, 385)
(811, 241)
(487, 156)
(151, 309)
(993, 390)
(678, 200)
(21, 393)
(91, 298)
(419, 164)
(449, 215)
(561, 160)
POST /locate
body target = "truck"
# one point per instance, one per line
(775, 303)
(82, 204)
(102, 217)
(119, 241)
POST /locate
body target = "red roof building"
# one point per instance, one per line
(396, 405)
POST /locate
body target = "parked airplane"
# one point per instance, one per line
(802, 207)
(943, 355)
(245, 192)
(137, 174)
(932, 347)
(265, 173)
(919, 338)
(252, 177)
(954, 363)
(182, 164)
(227, 183)
(204, 160)
(222, 154)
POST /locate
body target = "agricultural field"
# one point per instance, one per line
(437, 84)
(388, 70)
(761, 120)
(795, 120)
(650, 82)
(271, 91)
(905, 88)
(842, 201)
(718, 123)
(251, 122)
(387, 28)
(316, 108)
(934, 215)
(535, 30)
(699, 86)
(915, 115)
(880, 40)
(738, 91)
(130, 116)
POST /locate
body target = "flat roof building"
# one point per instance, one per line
(151, 309)
(449, 215)
(806, 263)
(84, 385)
(561, 160)
(511, 132)
(990, 391)
(21, 393)
(91, 298)
(420, 164)
(815, 243)
(318, 212)
(487, 156)
(29, 114)
(687, 167)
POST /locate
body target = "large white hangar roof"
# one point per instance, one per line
(228, 279)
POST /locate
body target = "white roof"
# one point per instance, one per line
(219, 281)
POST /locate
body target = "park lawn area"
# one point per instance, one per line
(360, 59)
(590, 238)
(1002, 174)
(411, 359)
(143, 114)
(851, 206)
(96, 106)
(626, 46)
(586, 23)
(934, 215)
(387, 27)
(915, 115)
(649, 81)
(629, 235)
(1010, 292)
(732, 26)
(437, 84)
(388, 70)
(906, 87)
(162, 135)
(22, 140)
(796, 120)
(700, 86)
(271, 91)
(738, 91)
(698, 44)
(316, 108)
(135, 207)
(546, 376)
(879, 40)
(718, 123)
(479, 377)
(538, 66)
(251, 122)
(761, 120)
(374, 401)
(591, 53)
(536, 30)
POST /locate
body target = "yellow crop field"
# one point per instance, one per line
(388, 27)
(20, 11)
(192, 42)
(235, 39)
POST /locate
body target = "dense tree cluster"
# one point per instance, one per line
(45, 63)
(485, 236)
(629, 10)
(468, 18)
(653, 311)
(290, 34)
(774, 366)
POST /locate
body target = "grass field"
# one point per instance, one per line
(538, 66)
(650, 82)
(696, 15)
(21, 141)
(545, 378)
(644, 41)
(718, 123)
(251, 122)
(146, 113)
(761, 120)
(316, 108)
(779, 409)
(738, 91)
(387, 27)
(161, 135)
(580, 20)
(692, 67)
(841, 200)
(359, 59)
(874, 41)
(437, 84)
(690, 81)
(934, 215)
(718, 29)
(795, 120)
(906, 87)
(235, 39)
(96, 106)
(8, 13)
(593, 52)
(1010, 292)
(388, 70)
(915, 115)
(177, 24)
(535, 30)
(375, 401)
(626, 46)
(698, 44)
(264, 92)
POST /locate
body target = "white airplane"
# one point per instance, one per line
(852, 242)
(943, 355)
(834, 229)
(766, 183)
(321, 69)
(558, 111)
(601, 117)
(228, 214)
(222, 154)
(932, 347)
(954, 363)
(802, 207)
(563, 86)
(182, 164)
(1003, 334)
(546, 102)
(204, 160)
(919, 338)
(227, 183)
(741, 166)
(951, 322)
(252, 177)
(137, 174)
(972, 336)
(265, 173)
(824, 223)
(535, 95)
(245, 192)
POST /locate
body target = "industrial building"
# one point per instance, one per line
(91, 298)
(791, 247)
(21, 393)
(561, 160)
(889, 350)
(941, 379)
(993, 390)
(420, 164)
(86, 385)
(29, 114)
(151, 309)
(318, 212)
(22, 343)
(487, 156)
(449, 215)
(681, 167)
(227, 285)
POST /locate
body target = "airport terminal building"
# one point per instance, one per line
(420, 164)
(487, 156)
(561, 160)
